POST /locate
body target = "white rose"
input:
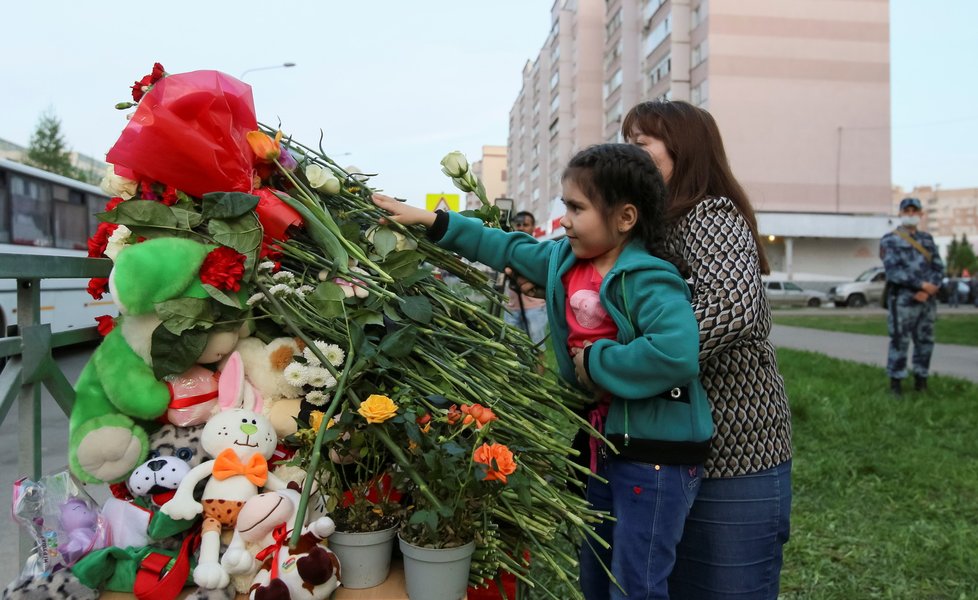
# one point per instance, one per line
(117, 241)
(322, 179)
(114, 185)
(454, 164)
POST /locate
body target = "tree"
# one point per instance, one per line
(47, 149)
(961, 256)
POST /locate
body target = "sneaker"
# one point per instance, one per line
(895, 388)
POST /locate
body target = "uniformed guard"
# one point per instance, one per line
(913, 276)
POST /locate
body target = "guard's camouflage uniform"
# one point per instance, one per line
(906, 270)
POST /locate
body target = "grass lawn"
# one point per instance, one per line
(949, 329)
(884, 490)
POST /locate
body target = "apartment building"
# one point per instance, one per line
(559, 108)
(947, 212)
(799, 88)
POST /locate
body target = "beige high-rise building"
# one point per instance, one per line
(799, 88)
(491, 169)
(559, 109)
(947, 212)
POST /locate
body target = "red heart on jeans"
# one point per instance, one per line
(637, 490)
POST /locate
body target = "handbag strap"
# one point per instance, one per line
(154, 582)
(914, 243)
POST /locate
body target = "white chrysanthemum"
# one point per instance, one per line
(311, 359)
(296, 374)
(117, 241)
(316, 398)
(284, 277)
(334, 354)
(318, 377)
(302, 290)
(255, 299)
(266, 265)
(281, 290)
(330, 382)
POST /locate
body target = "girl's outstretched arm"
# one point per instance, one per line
(404, 214)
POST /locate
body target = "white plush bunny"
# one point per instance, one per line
(241, 441)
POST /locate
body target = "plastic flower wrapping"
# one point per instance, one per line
(404, 400)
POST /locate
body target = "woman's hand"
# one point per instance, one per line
(579, 370)
(403, 213)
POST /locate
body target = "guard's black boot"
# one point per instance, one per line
(895, 388)
(919, 383)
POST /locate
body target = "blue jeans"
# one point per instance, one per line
(732, 546)
(535, 323)
(650, 503)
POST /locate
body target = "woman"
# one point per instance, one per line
(733, 539)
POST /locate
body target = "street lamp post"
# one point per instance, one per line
(281, 66)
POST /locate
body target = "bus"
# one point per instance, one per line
(46, 214)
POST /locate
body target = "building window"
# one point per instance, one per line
(650, 7)
(502, 175)
(613, 114)
(555, 104)
(554, 79)
(658, 34)
(700, 93)
(553, 128)
(614, 54)
(612, 84)
(697, 15)
(699, 53)
(660, 70)
(613, 24)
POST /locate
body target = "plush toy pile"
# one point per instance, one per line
(260, 304)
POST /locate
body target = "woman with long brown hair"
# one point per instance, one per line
(733, 539)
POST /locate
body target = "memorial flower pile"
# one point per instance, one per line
(418, 404)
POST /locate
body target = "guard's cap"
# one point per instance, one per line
(910, 203)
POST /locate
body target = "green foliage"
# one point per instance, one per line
(949, 329)
(47, 148)
(883, 489)
(961, 257)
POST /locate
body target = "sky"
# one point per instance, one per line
(395, 85)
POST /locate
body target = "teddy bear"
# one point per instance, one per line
(241, 441)
(308, 572)
(118, 391)
(264, 365)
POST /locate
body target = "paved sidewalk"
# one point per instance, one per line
(948, 359)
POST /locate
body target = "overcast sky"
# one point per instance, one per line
(395, 85)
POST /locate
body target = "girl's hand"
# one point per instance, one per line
(403, 213)
(579, 370)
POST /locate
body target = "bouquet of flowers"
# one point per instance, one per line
(432, 395)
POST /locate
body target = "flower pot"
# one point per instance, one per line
(365, 558)
(436, 574)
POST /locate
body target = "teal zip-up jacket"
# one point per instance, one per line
(659, 411)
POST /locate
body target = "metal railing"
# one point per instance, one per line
(27, 349)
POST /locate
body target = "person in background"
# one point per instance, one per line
(526, 312)
(913, 274)
(734, 536)
(951, 289)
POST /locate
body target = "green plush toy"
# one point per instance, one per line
(118, 388)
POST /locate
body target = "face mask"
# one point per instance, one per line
(909, 221)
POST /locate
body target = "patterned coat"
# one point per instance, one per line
(738, 366)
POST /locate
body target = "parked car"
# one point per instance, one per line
(787, 293)
(867, 288)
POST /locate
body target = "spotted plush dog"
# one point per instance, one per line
(174, 451)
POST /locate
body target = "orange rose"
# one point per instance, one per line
(454, 414)
(377, 409)
(498, 458)
(478, 414)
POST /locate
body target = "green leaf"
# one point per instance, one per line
(185, 313)
(419, 516)
(368, 317)
(417, 308)
(242, 233)
(219, 295)
(351, 231)
(391, 313)
(407, 282)
(384, 241)
(228, 205)
(403, 263)
(330, 291)
(453, 449)
(174, 354)
(141, 212)
(186, 219)
(331, 435)
(400, 343)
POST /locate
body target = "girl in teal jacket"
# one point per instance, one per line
(623, 327)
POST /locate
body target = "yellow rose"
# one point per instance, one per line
(377, 409)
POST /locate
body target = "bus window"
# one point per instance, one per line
(96, 204)
(30, 205)
(70, 225)
(4, 210)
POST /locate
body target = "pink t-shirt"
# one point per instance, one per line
(587, 320)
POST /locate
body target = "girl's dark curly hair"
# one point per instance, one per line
(611, 175)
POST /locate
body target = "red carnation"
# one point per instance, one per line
(142, 86)
(111, 204)
(100, 239)
(105, 324)
(147, 192)
(98, 286)
(223, 268)
(170, 196)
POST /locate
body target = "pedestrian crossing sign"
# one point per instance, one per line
(442, 202)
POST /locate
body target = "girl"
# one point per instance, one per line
(622, 325)
(732, 545)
